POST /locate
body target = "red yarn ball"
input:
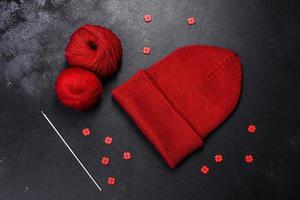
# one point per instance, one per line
(95, 48)
(78, 88)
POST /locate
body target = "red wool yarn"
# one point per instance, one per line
(95, 48)
(92, 51)
(78, 88)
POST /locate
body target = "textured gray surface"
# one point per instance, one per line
(34, 164)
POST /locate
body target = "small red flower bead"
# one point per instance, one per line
(249, 158)
(218, 158)
(108, 140)
(204, 169)
(191, 21)
(251, 128)
(146, 50)
(86, 132)
(147, 18)
(105, 160)
(111, 180)
(127, 155)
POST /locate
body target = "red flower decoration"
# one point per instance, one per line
(204, 169)
(191, 21)
(218, 158)
(86, 132)
(127, 155)
(249, 158)
(146, 50)
(251, 128)
(147, 18)
(111, 180)
(105, 160)
(108, 140)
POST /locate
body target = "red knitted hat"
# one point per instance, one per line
(179, 100)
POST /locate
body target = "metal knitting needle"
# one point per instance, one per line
(60, 136)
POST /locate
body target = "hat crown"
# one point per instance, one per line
(202, 82)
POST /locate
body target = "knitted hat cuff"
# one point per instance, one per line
(157, 118)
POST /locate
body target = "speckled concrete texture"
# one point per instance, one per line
(34, 163)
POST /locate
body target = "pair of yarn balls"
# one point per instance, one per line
(93, 52)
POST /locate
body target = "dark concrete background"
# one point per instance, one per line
(34, 164)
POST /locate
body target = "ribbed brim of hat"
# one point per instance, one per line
(157, 118)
